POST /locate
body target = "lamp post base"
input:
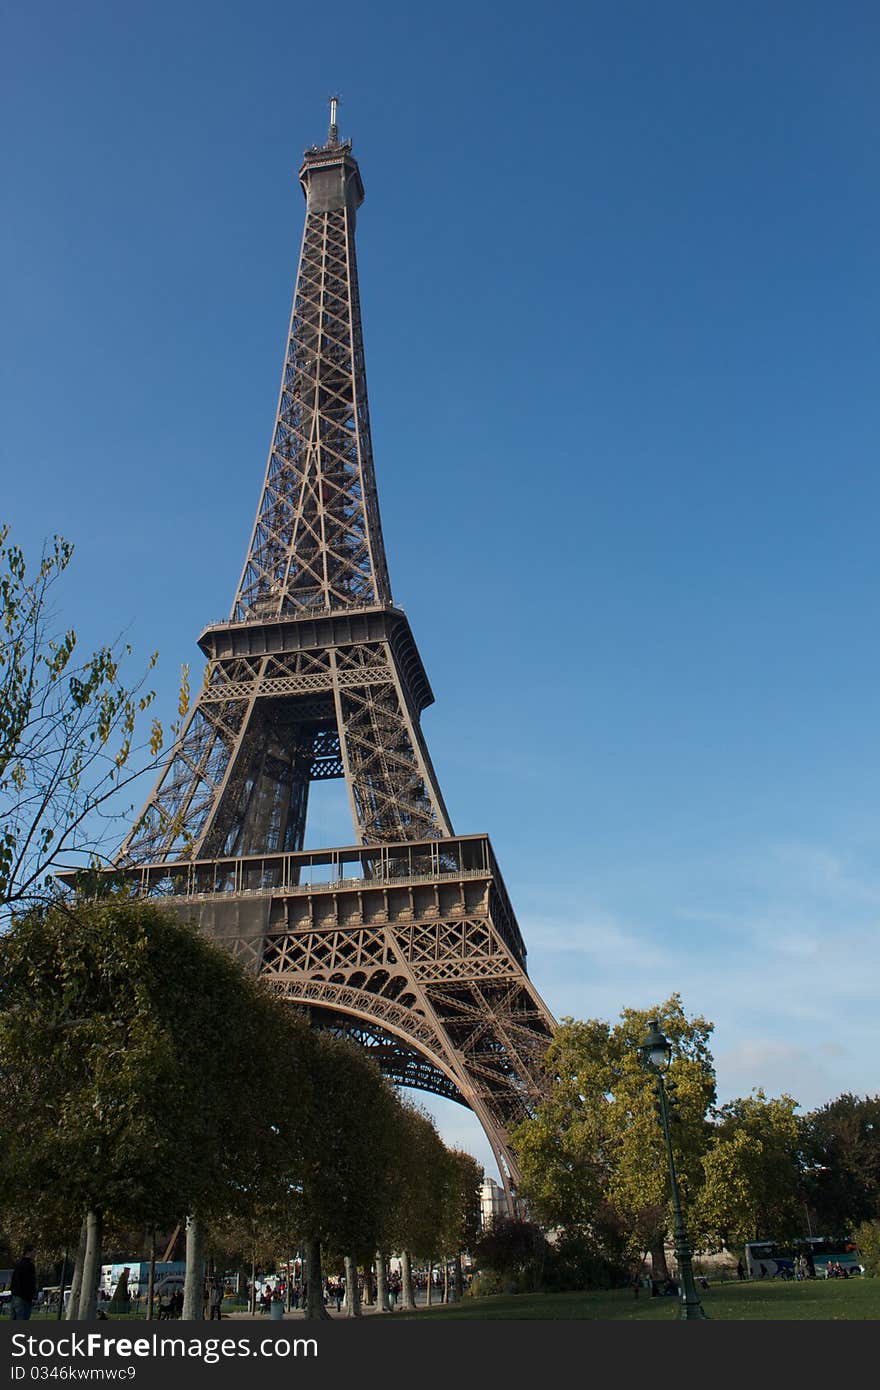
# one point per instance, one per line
(691, 1308)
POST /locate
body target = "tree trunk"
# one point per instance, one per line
(429, 1286)
(409, 1298)
(91, 1269)
(659, 1267)
(76, 1281)
(151, 1281)
(457, 1278)
(445, 1279)
(314, 1280)
(369, 1287)
(252, 1296)
(62, 1279)
(194, 1279)
(352, 1294)
(382, 1283)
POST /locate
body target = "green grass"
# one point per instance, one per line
(817, 1300)
(773, 1300)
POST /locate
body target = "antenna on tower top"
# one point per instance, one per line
(333, 137)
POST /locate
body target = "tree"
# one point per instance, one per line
(867, 1238)
(516, 1252)
(460, 1210)
(751, 1173)
(350, 1119)
(67, 729)
(126, 1041)
(840, 1144)
(413, 1219)
(592, 1158)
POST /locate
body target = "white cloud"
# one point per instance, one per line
(781, 950)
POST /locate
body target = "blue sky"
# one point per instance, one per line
(618, 274)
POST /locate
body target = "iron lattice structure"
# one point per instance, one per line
(407, 939)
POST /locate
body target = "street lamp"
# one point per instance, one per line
(656, 1054)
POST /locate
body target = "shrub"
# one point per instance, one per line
(576, 1264)
(867, 1238)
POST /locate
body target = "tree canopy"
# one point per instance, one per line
(751, 1175)
(840, 1145)
(126, 1040)
(593, 1158)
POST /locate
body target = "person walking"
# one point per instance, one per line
(215, 1301)
(23, 1284)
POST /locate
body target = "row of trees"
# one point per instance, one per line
(148, 1079)
(594, 1165)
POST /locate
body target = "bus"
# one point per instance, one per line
(772, 1259)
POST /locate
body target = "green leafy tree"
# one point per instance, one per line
(840, 1145)
(592, 1159)
(751, 1188)
(67, 731)
(867, 1238)
(460, 1208)
(246, 1238)
(413, 1220)
(350, 1117)
(126, 1041)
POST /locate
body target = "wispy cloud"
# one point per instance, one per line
(780, 948)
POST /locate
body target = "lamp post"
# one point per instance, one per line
(656, 1053)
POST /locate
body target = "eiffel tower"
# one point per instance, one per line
(405, 940)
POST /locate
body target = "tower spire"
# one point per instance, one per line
(317, 539)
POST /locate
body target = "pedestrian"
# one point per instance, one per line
(23, 1284)
(215, 1301)
(740, 1271)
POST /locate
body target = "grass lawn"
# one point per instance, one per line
(771, 1299)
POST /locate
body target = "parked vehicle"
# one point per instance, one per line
(773, 1259)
